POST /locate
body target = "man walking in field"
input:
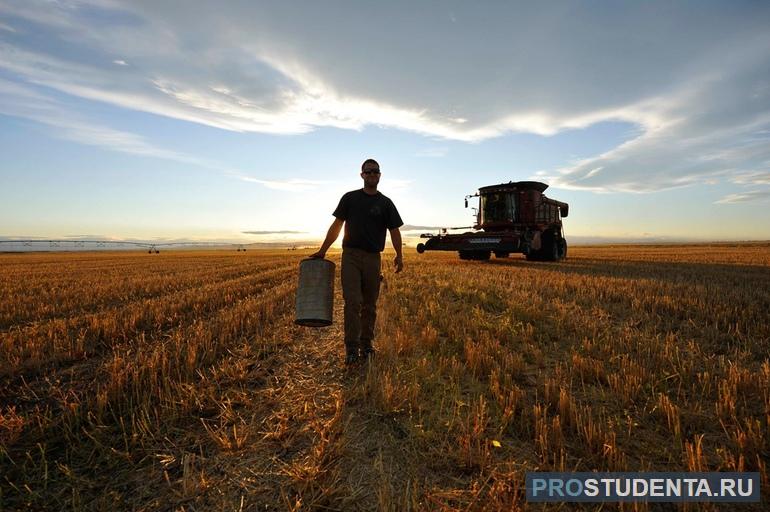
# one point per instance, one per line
(366, 214)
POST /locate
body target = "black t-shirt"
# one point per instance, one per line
(366, 219)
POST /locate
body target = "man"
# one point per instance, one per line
(366, 214)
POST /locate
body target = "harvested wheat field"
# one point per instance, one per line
(178, 381)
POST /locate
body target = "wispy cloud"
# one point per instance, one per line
(291, 185)
(20, 101)
(90, 237)
(697, 91)
(433, 152)
(753, 178)
(278, 232)
(744, 197)
(395, 184)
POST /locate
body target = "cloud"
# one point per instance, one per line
(694, 79)
(23, 102)
(743, 197)
(21, 238)
(89, 237)
(395, 184)
(120, 62)
(753, 178)
(291, 185)
(433, 152)
(705, 131)
(279, 232)
(20, 101)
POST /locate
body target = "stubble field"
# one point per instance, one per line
(178, 381)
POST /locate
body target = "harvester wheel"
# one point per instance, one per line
(420, 248)
(562, 248)
(549, 250)
(483, 255)
(555, 251)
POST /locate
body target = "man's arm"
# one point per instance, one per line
(395, 237)
(331, 236)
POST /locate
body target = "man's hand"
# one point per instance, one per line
(399, 263)
(319, 255)
(395, 237)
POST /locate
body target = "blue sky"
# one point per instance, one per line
(194, 121)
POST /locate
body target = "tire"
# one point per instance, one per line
(550, 246)
(420, 248)
(483, 255)
(563, 248)
(501, 254)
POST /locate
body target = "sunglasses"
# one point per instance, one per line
(371, 171)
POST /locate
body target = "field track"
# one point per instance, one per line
(178, 381)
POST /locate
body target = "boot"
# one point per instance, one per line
(351, 356)
(366, 351)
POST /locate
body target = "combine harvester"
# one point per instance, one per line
(513, 217)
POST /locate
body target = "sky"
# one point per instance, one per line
(246, 121)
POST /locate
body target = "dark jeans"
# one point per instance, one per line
(360, 289)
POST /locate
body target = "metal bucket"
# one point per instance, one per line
(315, 293)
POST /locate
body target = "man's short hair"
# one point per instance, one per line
(369, 161)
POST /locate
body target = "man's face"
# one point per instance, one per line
(371, 174)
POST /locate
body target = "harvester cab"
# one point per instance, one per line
(513, 217)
